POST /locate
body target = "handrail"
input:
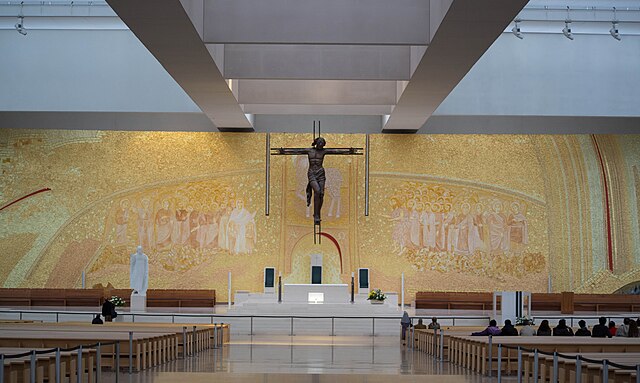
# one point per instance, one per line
(571, 357)
(605, 363)
(229, 317)
(206, 315)
(54, 350)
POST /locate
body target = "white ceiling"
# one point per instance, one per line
(396, 60)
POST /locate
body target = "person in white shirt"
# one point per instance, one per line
(623, 330)
(527, 329)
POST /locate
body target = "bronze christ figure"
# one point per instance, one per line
(315, 174)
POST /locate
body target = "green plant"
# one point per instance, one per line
(520, 320)
(377, 295)
(117, 301)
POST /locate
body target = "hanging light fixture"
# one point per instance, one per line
(615, 33)
(516, 29)
(566, 31)
(20, 26)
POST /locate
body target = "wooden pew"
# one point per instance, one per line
(591, 372)
(47, 297)
(198, 336)
(606, 302)
(546, 301)
(428, 341)
(473, 351)
(84, 297)
(15, 297)
(141, 343)
(539, 301)
(221, 334)
(454, 300)
(181, 298)
(155, 351)
(94, 297)
(19, 369)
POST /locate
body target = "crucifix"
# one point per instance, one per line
(315, 174)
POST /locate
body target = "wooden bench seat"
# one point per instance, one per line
(143, 350)
(546, 301)
(473, 352)
(153, 344)
(19, 369)
(453, 300)
(181, 298)
(15, 297)
(84, 297)
(590, 372)
(95, 297)
(539, 302)
(606, 302)
(197, 337)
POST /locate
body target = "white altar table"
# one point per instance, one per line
(316, 293)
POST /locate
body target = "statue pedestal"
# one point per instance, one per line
(138, 302)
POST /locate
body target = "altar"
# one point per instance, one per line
(316, 293)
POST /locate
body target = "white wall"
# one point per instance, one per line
(549, 75)
(86, 71)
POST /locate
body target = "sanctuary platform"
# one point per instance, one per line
(300, 299)
(301, 324)
(317, 299)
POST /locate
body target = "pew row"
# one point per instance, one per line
(17, 370)
(143, 349)
(95, 297)
(145, 344)
(470, 354)
(590, 372)
(539, 302)
(476, 352)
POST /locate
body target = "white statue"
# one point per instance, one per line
(139, 273)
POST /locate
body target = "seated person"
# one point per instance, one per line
(623, 330)
(562, 329)
(527, 329)
(420, 325)
(508, 329)
(633, 329)
(583, 330)
(434, 325)
(405, 322)
(492, 329)
(97, 320)
(108, 309)
(612, 328)
(600, 330)
(544, 329)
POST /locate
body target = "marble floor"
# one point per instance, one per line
(306, 359)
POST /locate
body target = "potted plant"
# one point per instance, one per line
(520, 320)
(117, 301)
(376, 297)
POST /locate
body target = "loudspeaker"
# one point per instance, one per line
(316, 275)
(269, 279)
(363, 281)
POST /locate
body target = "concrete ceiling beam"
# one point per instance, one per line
(167, 32)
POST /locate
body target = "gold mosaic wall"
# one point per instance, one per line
(451, 212)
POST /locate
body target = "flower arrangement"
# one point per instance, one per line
(377, 295)
(520, 320)
(117, 301)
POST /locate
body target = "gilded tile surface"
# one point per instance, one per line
(452, 212)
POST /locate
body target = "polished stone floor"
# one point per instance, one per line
(306, 359)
